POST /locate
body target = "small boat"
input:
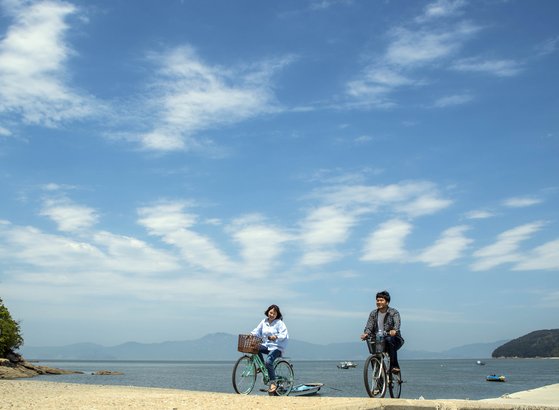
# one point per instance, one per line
(495, 378)
(346, 365)
(307, 389)
(480, 363)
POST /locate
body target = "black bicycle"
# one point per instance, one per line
(376, 373)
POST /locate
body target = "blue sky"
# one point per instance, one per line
(169, 169)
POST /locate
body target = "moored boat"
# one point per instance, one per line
(496, 378)
(307, 389)
(346, 365)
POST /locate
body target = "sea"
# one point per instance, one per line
(428, 379)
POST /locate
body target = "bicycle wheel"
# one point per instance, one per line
(395, 385)
(284, 377)
(244, 375)
(374, 377)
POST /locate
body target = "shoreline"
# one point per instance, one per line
(32, 394)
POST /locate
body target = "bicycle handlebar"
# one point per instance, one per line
(373, 337)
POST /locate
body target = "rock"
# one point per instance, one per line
(107, 373)
(14, 366)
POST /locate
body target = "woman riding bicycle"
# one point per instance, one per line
(387, 320)
(274, 336)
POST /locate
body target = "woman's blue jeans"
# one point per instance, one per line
(269, 362)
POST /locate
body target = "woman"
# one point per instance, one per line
(274, 336)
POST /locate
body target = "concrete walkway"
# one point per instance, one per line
(543, 396)
(39, 395)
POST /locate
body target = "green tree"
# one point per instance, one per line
(10, 336)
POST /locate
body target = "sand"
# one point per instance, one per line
(25, 394)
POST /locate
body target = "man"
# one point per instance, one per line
(386, 319)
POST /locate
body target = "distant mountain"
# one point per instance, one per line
(218, 346)
(471, 351)
(223, 346)
(540, 343)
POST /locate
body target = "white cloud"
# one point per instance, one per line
(190, 96)
(33, 78)
(415, 48)
(327, 225)
(549, 46)
(326, 4)
(261, 245)
(544, 257)
(375, 83)
(506, 249)
(104, 263)
(409, 197)
(58, 259)
(133, 256)
(363, 139)
(4, 132)
(452, 100)
(424, 205)
(321, 230)
(69, 216)
(499, 68)
(386, 76)
(409, 49)
(386, 244)
(521, 202)
(342, 206)
(441, 9)
(449, 247)
(30, 246)
(479, 214)
(164, 218)
(172, 224)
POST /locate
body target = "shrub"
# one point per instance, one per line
(10, 336)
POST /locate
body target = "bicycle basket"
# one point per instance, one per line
(375, 347)
(248, 344)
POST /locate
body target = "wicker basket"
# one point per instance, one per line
(249, 344)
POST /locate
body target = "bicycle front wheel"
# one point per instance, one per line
(395, 385)
(284, 377)
(374, 377)
(244, 375)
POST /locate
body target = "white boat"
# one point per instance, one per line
(346, 365)
(307, 389)
(479, 362)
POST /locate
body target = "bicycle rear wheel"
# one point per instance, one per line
(374, 377)
(395, 385)
(284, 377)
(244, 375)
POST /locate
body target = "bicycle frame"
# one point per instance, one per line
(380, 380)
(260, 365)
(246, 369)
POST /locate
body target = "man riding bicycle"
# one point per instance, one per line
(387, 320)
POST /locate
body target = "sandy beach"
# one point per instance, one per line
(19, 394)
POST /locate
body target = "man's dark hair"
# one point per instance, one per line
(385, 295)
(277, 309)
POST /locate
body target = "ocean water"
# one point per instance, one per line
(431, 379)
